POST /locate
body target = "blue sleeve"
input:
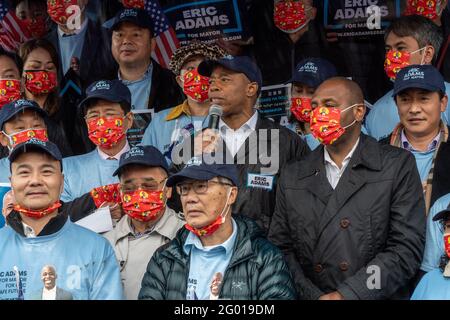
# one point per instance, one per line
(446, 114)
(364, 129)
(420, 291)
(149, 138)
(434, 245)
(107, 284)
(66, 195)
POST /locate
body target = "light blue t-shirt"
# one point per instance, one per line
(87, 171)
(383, 117)
(424, 161)
(164, 135)
(312, 142)
(205, 262)
(84, 262)
(140, 89)
(434, 243)
(433, 286)
(5, 172)
(71, 46)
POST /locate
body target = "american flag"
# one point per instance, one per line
(13, 31)
(166, 39)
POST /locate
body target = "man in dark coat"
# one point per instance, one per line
(259, 147)
(350, 217)
(88, 44)
(133, 42)
(220, 255)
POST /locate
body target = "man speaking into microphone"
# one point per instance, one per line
(259, 147)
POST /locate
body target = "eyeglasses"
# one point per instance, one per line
(199, 187)
(108, 115)
(148, 185)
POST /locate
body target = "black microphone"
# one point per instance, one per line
(215, 112)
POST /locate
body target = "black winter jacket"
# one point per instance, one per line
(365, 238)
(256, 264)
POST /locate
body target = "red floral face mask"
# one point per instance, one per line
(138, 4)
(326, 124)
(430, 9)
(26, 135)
(9, 91)
(447, 244)
(37, 214)
(104, 194)
(289, 16)
(37, 27)
(40, 81)
(105, 132)
(301, 109)
(143, 205)
(212, 227)
(196, 86)
(57, 10)
(396, 61)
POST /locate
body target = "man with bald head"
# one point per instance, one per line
(350, 217)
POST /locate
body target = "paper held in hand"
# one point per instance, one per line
(99, 221)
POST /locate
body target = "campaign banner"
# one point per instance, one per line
(207, 20)
(4, 188)
(359, 18)
(274, 101)
(142, 119)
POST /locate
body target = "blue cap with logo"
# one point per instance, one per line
(443, 215)
(11, 109)
(424, 77)
(313, 71)
(109, 90)
(33, 144)
(240, 64)
(135, 16)
(198, 170)
(145, 155)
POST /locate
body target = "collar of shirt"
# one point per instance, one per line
(179, 110)
(164, 227)
(408, 146)
(193, 241)
(76, 31)
(147, 75)
(249, 125)
(329, 161)
(49, 294)
(54, 225)
(104, 156)
(28, 231)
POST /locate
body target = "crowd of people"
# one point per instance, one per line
(347, 200)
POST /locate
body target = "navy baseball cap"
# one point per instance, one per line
(419, 76)
(442, 215)
(138, 17)
(145, 155)
(198, 170)
(11, 109)
(36, 145)
(313, 71)
(241, 64)
(109, 90)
